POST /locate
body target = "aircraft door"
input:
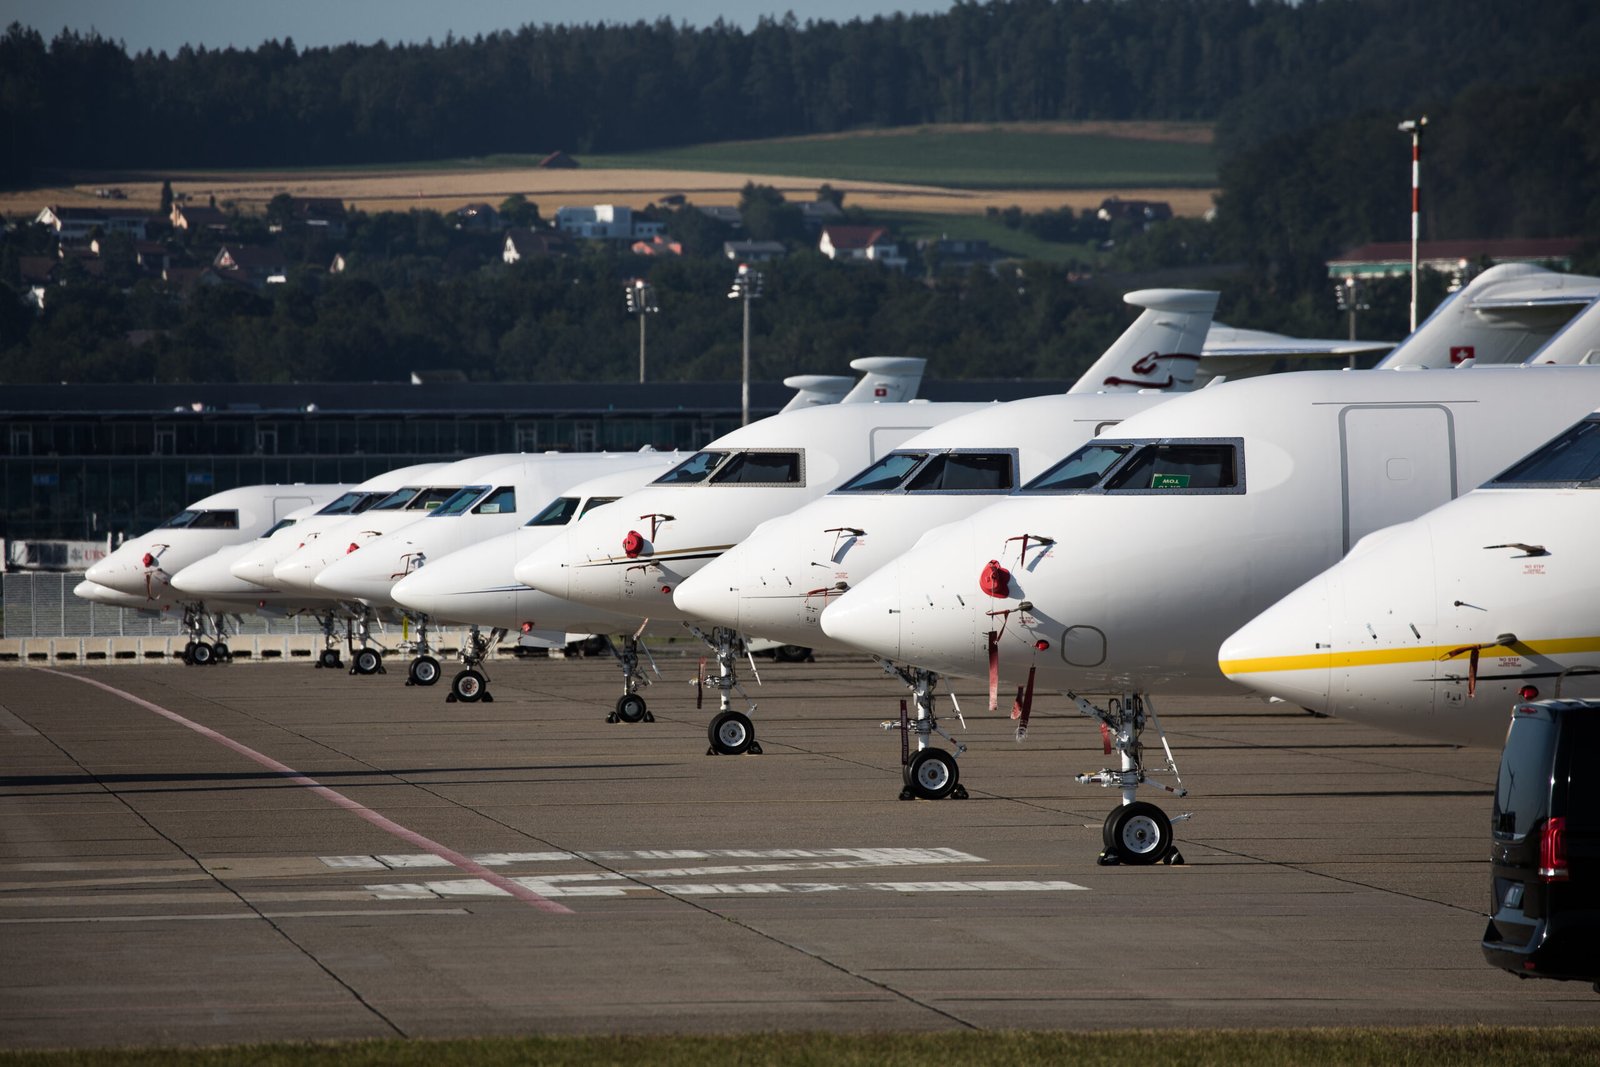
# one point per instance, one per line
(1397, 463)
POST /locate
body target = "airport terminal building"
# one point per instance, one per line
(87, 462)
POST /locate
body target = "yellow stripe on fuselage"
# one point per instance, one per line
(1378, 657)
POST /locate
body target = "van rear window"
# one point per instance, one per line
(1522, 792)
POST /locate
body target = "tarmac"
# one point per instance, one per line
(256, 852)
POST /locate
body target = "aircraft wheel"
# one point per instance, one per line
(1139, 833)
(330, 659)
(224, 653)
(202, 654)
(367, 661)
(469, 687)
(731, 733)
(791, 654)
(933, 774)
(631, 708)
(424, 671)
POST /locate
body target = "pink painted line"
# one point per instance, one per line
(382, 822)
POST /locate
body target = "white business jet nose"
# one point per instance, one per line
(712, 593)
(367, 574)
(1287, 650)
(546, 568)
(869, 616)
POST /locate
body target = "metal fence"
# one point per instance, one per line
(42, 604)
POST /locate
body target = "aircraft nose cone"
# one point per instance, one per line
(868, 616)
(353, 577)
(546, 569)
(1286, 651)
(711, 594)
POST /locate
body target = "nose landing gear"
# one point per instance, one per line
(471, 685)
(929, 773)
(1138, 833)
(731, 732)
(631, 707)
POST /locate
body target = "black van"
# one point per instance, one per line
(1544, 895)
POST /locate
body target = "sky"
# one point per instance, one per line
(164, 25)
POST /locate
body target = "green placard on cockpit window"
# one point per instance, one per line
(1169, 481)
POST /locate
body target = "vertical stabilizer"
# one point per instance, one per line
(812, 390)
(1161, 350)
(1576, 344)
(887, 379)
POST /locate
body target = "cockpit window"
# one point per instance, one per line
(432, 497)
(884, 475)
(1081, 470)
(761, 468)
(595, 502)
(1573, 459)
(348, 504)
(1206, 466)
(558, 512)
(696, 468)
(503, 501)
(966, 472)
(203, 520)
(1176, 467)
(275, 527)
(397, 499)
(460, 500)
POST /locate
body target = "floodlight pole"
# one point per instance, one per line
(641, 296)
(1414, 128)
(746, 287)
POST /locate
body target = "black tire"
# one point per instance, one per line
(932, 774)
(330, 659)
(202, 654)
(792, 654)
(424, 671)
(224, 653)
(367, 661)
(732, 733)
(469, 687)
(630, 708)
(1139, 833)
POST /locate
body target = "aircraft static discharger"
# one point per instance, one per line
(1439, 626)
(1120, 571)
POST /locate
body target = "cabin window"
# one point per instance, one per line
(885, 474)
(460, 500)
(761, 468)
(1179, 468)
(503, 501)
(558, 512)
(966, 472)
(432, 497)
(696, 468)
(215, 520)
(1081, 470)
(1572, 459)
(397, 499)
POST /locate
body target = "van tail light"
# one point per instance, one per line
(1553, 851)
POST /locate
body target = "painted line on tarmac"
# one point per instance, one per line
(411, 837)
(368, 913)
(778, 859)
(616, 885)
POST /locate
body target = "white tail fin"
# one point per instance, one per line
(815, 389)
(1504, 315)
(1576, 344)
(888, 379)
(1161, 350)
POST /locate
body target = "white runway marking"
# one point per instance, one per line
(786, 859)
(615, 885)
(365, 913)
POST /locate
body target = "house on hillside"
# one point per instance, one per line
(871, 244)
(609, 222)
(522, 243)
(319, 214)
(819, 213)
(726, 214)
(198, 218)
(251, 265)
(659, 245)
(71, 224)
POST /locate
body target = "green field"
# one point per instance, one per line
(1235, 1048)
(989, 158)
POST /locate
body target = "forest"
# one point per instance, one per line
(1515, 155)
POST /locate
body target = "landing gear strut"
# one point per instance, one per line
(424, 669)
(471, 685)
(929, 773)
(329, 656)
(366, 659)
(630, 705)
(1138, 833)
(197, 651)
(731, 732)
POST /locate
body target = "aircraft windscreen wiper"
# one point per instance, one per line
(460, 501)
(761, 468)
(558, 512)
(1572, 459)
(884, 475)
(966, 472)
(697, 468)
(1081, 470)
